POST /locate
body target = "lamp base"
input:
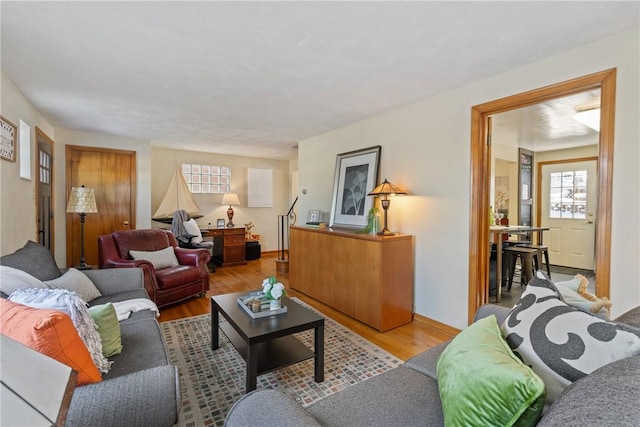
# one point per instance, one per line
(386, 232)
(83, 266)
(230, 223)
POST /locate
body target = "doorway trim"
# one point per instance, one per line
(481, 174)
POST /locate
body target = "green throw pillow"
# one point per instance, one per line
(108, 327)
(482, 383)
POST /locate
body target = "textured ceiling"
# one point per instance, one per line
(253, 78)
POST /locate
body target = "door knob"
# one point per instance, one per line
(590, 221)
(125, 222)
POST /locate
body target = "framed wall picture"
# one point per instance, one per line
(356, 175)
(8, 143)
(220, 223)
(313, 217)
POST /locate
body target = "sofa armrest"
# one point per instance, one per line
(427, 361)
(631, 317)
(146, 398)
(268, 408)
(114, 280)
(487, 310)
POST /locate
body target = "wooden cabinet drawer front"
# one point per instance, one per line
(234, 240)
(235, 231)
(233, 253)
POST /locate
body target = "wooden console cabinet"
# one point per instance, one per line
(369, 278)
(228, 245)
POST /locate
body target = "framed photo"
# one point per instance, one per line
(8, 144)
(220, 222)
(313, 216)
(356, 175)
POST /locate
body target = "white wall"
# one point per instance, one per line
(17, 196)
(164, 162)
(426, 149)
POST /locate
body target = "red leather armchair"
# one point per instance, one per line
(167, 285)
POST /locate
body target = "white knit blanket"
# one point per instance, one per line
(125, 308)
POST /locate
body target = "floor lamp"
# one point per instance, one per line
(82, 201)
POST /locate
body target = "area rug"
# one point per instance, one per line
(212, 381)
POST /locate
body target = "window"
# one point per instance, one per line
(207, 178)
(568, 194)
(45, 167)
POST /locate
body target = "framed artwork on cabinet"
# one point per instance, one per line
(8, 145)
(356, 175)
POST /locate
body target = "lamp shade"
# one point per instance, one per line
(230, 199)
(387, 188)
(82, 200)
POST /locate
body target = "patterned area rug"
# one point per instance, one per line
(213, 380)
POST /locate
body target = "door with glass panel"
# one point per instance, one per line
(568, 206)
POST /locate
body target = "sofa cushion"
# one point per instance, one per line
(399, 397)
(108, 327)
(76, 308)
(177, 276)
(50, 332)
(609, 396)
(75, 281)
(164, 258)
(482, 382)
(561, 343)
(142, 348)
(34, 259)
(12, 279)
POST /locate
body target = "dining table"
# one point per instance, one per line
(499, 231)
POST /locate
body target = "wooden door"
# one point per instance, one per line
(112, 175)
(44, 190)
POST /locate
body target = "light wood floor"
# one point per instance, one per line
(403, 342)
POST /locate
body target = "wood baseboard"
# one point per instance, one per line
(442, 328)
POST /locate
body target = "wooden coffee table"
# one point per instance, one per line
(267, 343)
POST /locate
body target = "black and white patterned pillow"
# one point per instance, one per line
(561, 343)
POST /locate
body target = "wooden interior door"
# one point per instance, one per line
(112, 175)
(44, 190)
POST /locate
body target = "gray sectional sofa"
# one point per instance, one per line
(142, 387)
(409, 396)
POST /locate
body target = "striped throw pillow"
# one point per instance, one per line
(163, 258)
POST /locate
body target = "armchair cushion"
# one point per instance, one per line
(164, 258)
(177, 276)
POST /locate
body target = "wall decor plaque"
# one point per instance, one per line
(8, 143)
